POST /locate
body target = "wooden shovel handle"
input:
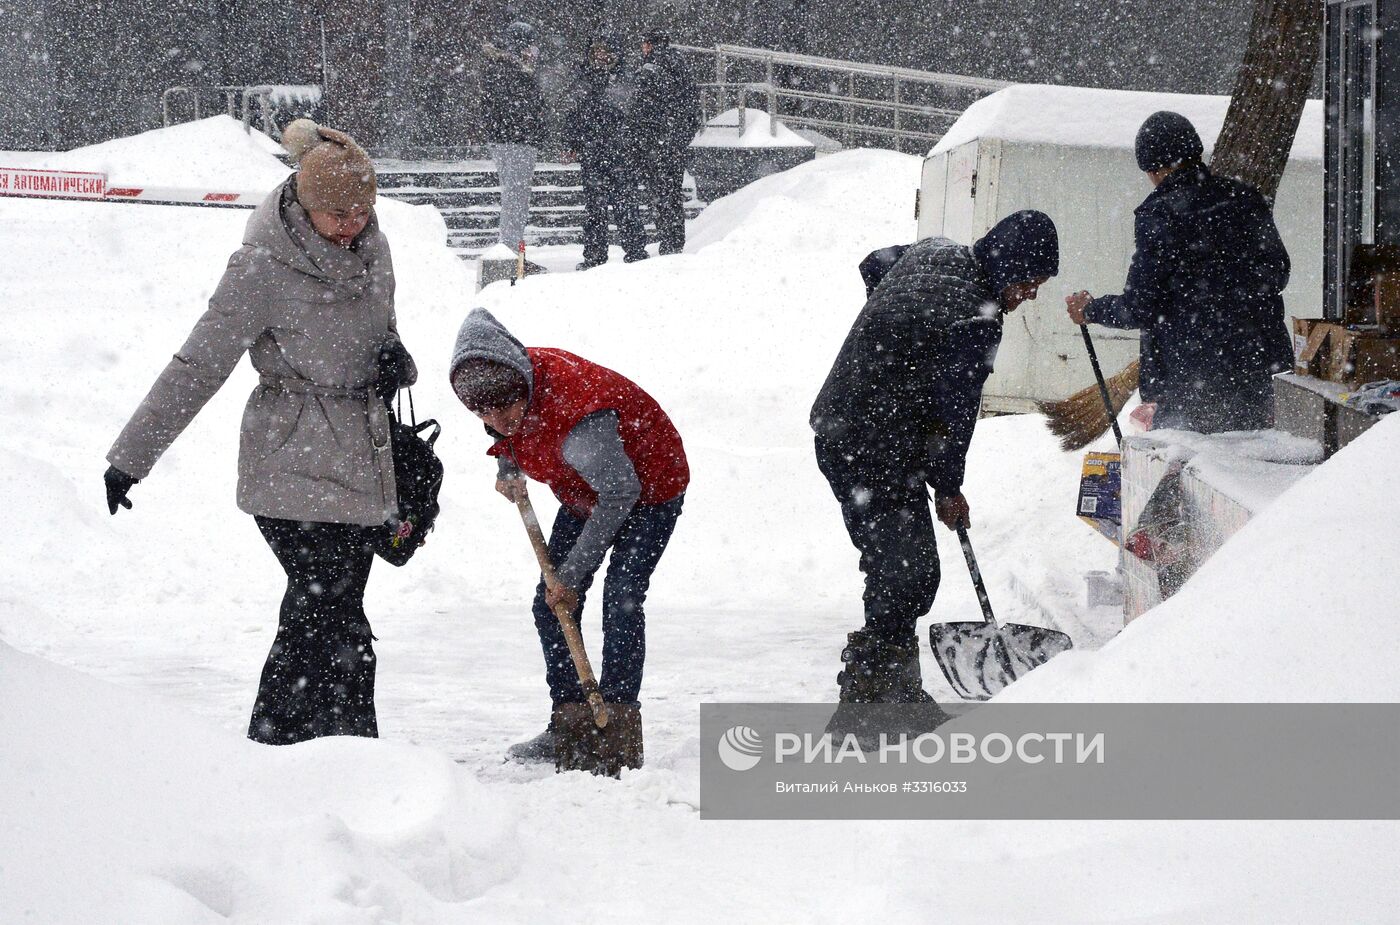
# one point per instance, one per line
(566, 620)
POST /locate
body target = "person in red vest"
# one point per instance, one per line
(615, 462)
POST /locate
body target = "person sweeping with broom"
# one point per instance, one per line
(617, 465)
(1204, 288)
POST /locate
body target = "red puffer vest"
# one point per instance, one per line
(567, 389)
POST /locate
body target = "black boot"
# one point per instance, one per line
(880, 676)
(539, 750)
(880, 671)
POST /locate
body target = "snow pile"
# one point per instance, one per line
(210, 154)
(1298, 606)
(759, 131)
(121, 809)
(1094, 118)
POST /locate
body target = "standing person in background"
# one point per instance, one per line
(668, 116)
(513, 121)
(601, 133)
(310, 297)
(1205, 288)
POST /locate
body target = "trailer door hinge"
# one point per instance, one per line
(974, 184)
(918, 196)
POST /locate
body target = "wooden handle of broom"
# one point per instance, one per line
(1103, 386)
(567, 623)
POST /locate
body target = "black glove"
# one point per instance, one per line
(118, 484)
(395, 368)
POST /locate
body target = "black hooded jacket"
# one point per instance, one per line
(1204, 288)
(906, 387)
(512, 106)
(601, 126)
(668, 112)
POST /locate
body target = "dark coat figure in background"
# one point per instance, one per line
(668, 115)
(513, 122)
(896, 416)
(600, 131)
(1204, 288)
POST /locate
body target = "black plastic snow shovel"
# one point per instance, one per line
(980, 658)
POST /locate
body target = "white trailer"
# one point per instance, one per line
(1068, 151)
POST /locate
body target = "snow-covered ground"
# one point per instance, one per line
(130, 646)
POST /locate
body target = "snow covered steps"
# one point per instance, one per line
(467, 193)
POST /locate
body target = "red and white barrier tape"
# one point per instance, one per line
(92, 187)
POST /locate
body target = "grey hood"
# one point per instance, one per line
(280, 227)
(482, 337)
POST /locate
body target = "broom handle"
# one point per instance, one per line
(567, 623)
(1103, 386)
(976, 574)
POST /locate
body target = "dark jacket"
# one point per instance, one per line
(668, 112)
(512, 107)
(1204, 287)
(906, 386)
(600, 125)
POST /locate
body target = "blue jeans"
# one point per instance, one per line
(635, 553)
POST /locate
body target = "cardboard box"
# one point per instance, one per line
(1352, 355)
(1387, 303)
(1100, 493)
(1313, 409)
(1302, 329)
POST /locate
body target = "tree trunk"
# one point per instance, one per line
(1285, 39)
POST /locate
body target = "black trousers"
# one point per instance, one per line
(319, 676)
(611, 181)
(663, 174)
(885, 505)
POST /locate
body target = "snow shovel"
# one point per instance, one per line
(979, 658)
(598, 737)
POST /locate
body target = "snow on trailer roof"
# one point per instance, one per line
(1094, 118)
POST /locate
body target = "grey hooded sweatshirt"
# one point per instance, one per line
(593, 448)
(313, 317)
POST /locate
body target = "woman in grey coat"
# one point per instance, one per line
(310, 297)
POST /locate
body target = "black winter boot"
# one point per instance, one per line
(880, 671)
(539, 750)
(882, 691)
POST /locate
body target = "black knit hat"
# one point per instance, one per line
(1166, 138)
(1021, 247)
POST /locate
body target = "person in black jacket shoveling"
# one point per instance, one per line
(1204, 288)
(896, 415)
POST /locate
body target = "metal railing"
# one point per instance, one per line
(859, 100)
(241, 102)
(165, 98)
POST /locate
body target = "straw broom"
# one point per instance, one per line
(1080, 419)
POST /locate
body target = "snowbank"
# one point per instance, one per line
(123, 809)
(1095, 118)
(758, 132)
(1298, 606)
(213, 153)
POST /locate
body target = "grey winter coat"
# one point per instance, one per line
(313, 317)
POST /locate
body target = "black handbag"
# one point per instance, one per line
(418, 477)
